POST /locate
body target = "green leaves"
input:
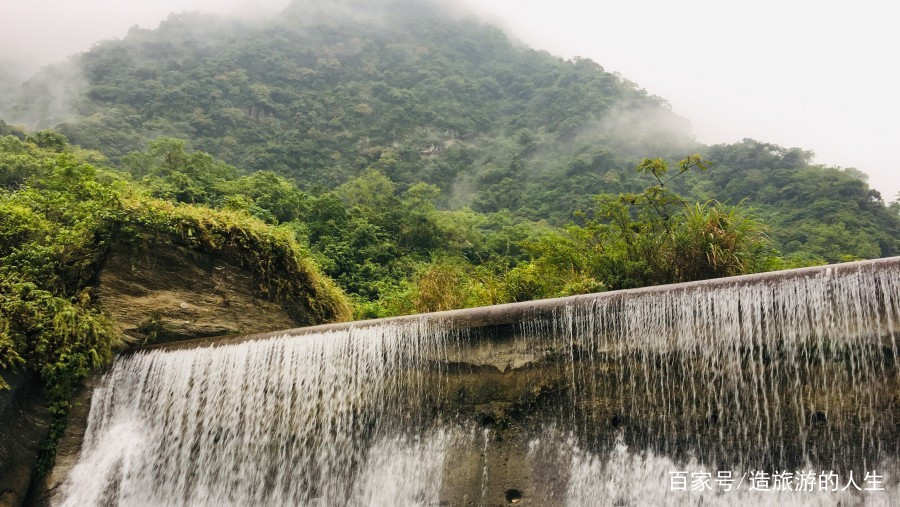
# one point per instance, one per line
(657, 167)
(655, 237)
(49, 140)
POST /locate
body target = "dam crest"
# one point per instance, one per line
(603, 399)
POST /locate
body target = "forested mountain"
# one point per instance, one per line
(417, 91)
(319, 95)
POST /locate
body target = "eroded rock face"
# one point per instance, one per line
(24, 422)
(176, 294)
(67, 450)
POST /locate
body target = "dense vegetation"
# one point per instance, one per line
(321, 94)
(396, 252)
(60, 214)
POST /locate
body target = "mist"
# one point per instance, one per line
(816, 75)
(644, 131)
(40, 32)
(811, 74)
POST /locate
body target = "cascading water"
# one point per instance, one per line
(317, 420)
(592, 401)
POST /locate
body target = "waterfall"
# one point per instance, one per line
(781, 373)
(277, 422)
(593, 400)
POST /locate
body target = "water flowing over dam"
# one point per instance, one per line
(616, 398)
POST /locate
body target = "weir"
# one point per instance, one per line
(601, 399)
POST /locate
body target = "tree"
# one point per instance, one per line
(656, 237)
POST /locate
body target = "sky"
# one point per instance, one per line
(820, 75)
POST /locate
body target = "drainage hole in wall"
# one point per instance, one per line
(513, 496)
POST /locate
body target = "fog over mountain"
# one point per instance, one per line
(808, 74)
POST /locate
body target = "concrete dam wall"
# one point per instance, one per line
(691, 394)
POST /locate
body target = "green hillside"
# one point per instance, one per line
(425, 96)
(325, 91)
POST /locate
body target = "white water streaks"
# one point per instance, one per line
(775, 374)
(277, 422)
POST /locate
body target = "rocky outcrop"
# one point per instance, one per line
(67, 449)
(159, 295)
(172, 294)
(24, 422)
